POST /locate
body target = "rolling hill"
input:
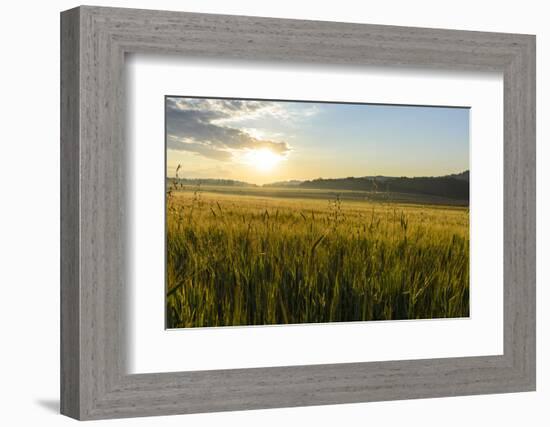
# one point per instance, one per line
(455, 186)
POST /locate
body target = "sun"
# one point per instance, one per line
(264, 160)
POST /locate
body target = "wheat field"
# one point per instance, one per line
(238, 258)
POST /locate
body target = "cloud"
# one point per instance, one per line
(202, 126)
(204, 149)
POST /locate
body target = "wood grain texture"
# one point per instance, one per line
(70, 291)
(94, 382)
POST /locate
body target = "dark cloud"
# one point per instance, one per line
(205, 150)
(199, 126)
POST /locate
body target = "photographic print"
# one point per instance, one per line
(293, 212)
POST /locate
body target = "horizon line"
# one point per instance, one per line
(323, 178)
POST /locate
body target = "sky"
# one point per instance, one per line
(259, 141)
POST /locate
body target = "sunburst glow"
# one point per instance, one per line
(264, 160)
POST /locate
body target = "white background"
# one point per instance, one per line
(29, 217)
(152, 349)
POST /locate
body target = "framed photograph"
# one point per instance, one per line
(270, 218)
(261, 213)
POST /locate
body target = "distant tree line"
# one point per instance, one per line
(450, 187)
(212, 181)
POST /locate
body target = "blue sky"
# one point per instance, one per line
(267, 141)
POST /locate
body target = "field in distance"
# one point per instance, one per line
(244, 255)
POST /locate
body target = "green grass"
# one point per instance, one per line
(249, 259)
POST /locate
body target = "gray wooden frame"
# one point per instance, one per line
(94, 382)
